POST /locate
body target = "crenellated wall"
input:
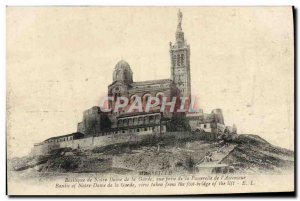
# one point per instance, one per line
(90, 142)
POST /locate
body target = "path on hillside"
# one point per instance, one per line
(216, 157)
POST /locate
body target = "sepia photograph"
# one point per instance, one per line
(173, 100)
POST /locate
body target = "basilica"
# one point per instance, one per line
(96, 122)
(173, 94)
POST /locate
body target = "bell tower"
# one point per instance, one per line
(180, 61)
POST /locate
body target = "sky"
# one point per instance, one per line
(60, 61)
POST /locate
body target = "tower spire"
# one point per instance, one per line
(179, 14)
(180, 60)
(179, 33)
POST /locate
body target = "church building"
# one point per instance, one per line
(123, 85)
(96, 122)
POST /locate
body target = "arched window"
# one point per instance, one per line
(140, 120)
(118, 74)
(133, 98)
(174, 60)
(146, 119)
(178, 60)
(160, 96)
(182, 59)
(125, 73)
(119, 123)
(145, 98)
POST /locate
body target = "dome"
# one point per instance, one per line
(122, 65)
(122, 72)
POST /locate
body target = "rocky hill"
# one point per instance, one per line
(257, 155)
(245, 154)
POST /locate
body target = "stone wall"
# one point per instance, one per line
(90, 142)
(104, 140)
(93, 121)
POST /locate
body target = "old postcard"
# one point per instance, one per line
(150, 100)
